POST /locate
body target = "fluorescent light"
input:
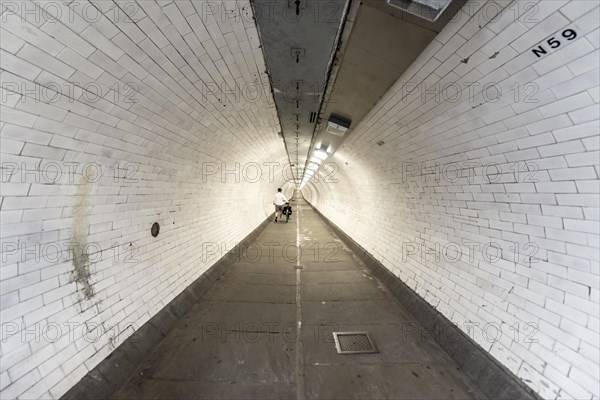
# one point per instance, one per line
(313, 166)
(320, 154)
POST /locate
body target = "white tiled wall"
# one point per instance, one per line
(538, 193)
(90, 160)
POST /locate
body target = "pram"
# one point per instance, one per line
(287, 211)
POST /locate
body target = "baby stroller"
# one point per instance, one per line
(287, 211)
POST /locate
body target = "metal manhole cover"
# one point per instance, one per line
(353, 343)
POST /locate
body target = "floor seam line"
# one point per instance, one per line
(300, 389)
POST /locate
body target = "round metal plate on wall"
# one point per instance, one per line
(155, 229)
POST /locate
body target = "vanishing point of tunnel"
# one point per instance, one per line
(300, 199)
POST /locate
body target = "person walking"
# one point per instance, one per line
(279, 201)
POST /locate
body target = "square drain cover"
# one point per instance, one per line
(353, 343)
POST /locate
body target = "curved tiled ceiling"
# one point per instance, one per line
(383, 42)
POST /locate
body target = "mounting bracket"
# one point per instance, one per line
(297, 53)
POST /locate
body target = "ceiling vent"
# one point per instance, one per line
(337, 125)
(426, 9)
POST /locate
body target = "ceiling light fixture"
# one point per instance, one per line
(320, 154)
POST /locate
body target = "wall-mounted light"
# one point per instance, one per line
(338, 125)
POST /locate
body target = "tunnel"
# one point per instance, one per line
(300, 199)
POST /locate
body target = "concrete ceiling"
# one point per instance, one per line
(298, 39)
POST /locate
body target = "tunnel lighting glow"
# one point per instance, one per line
(315, 160)
(320, 154)
(313, 166)
(318, 146)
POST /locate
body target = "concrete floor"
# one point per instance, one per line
(240, 341)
